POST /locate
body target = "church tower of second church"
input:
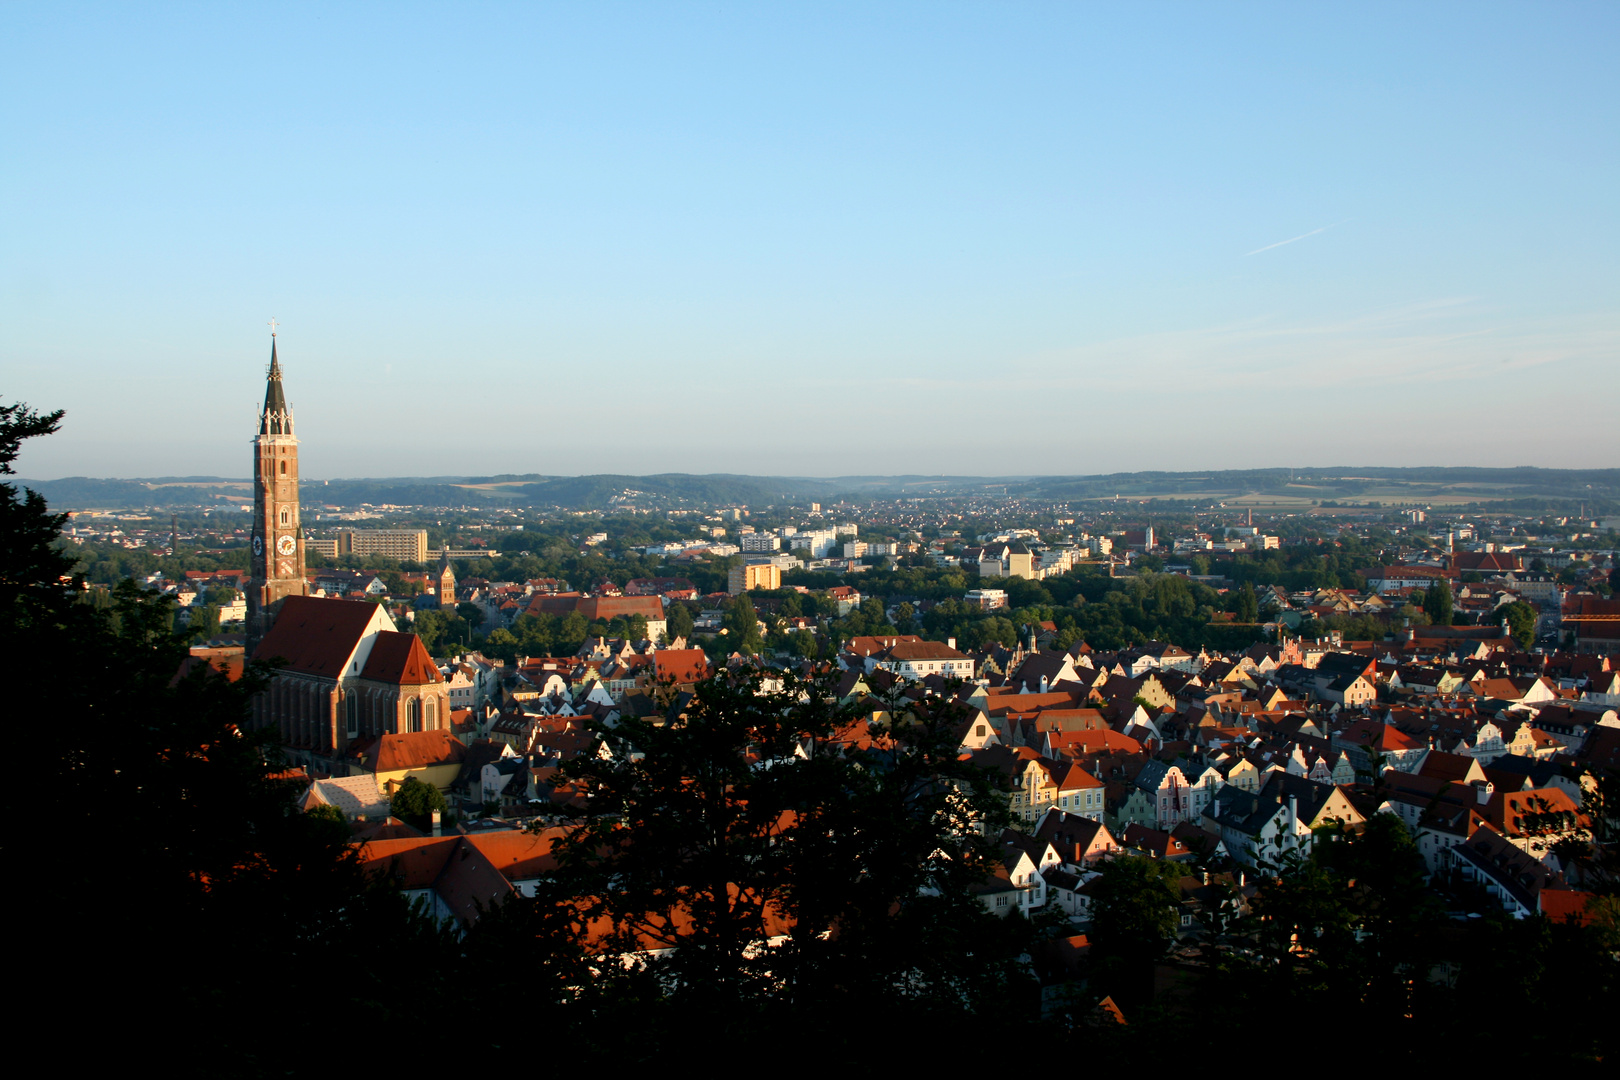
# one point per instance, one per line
(277, 564)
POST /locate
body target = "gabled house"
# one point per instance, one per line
(1258, 831)
(1501, 870)
(1080, 842)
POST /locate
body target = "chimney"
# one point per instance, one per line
(438, 824)
(950, 643)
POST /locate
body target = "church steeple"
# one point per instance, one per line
(277, 564)
(277, 418)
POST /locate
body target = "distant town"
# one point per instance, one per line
(1144, 726)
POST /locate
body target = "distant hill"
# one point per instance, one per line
(1599, 488)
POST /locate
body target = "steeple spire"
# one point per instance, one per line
(276, 418)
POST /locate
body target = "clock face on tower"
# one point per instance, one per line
(258, 545)
(286, 545)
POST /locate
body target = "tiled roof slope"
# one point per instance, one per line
(400, 659)
(316, 635)
(414, 750)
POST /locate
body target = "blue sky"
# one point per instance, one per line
(813, 239)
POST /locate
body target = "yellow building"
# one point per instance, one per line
(433, 757)
(753, 575)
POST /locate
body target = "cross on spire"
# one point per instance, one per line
(273, 325)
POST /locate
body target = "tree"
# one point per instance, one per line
(414, 802)
(904, 617)
(678, 621)
(206, 840)
(1521, 620)
(714, 835)
(741, 624)
(204, 620)
(1437, 602)
(502, 643)
(1247, 606)
(472, 614)
(803, 643)
(1133, 922)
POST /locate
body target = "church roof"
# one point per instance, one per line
(402, 659)
(316, 635)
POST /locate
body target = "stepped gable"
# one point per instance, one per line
(400, 659)
(316, 635)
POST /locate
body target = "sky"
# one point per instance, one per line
(812, 239)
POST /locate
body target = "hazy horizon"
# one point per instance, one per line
(840, 240)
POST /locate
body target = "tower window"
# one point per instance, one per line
(284, 515)
(283, 467)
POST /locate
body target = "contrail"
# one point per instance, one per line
(1301, 236)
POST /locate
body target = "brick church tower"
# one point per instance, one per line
(277, 564)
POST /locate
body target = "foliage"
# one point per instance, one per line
(1133, 921)
(414, 802)
(741, 624)
(714, 820)
(204, 875)
(1521, 620)
(678, 622)
(1437, 602)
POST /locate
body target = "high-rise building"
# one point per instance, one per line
(277, 561)
(406, 545)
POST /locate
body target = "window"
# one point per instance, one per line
(284, 468)
(432, 714)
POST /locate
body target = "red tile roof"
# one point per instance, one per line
(400, 659)
(681, 665)
(316, 635)
(599, 607)
(414, 750)
(519, 854)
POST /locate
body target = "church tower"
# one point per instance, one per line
(277, 562)
(447, 582)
